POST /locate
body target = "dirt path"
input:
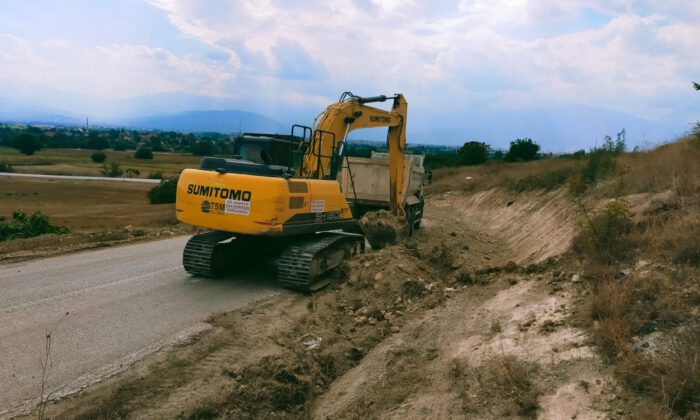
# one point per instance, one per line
(471, 318)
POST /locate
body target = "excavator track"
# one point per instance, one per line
(205, 256)
(301, 265)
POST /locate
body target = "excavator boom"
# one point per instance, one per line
(352, 113)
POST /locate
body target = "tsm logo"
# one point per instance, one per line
(206, 206)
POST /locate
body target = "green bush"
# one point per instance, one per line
(112, 171)
(98, 157)
(155, 175)
(522, 150)
(143, 153)
(164, 192)
(6, 167)
(25, 226)
(474, 153)
(131, 172)
(27, 143)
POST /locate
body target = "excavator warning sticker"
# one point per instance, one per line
(318, 206)
(239, 207)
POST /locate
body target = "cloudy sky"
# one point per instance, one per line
(288, 59)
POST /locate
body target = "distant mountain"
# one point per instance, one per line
(557, 129)
(230, 121)
(14, 111)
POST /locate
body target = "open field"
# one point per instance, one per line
(77, 162)
(97, 213)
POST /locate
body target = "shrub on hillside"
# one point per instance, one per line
(143, 153)
(98, 157)
(603, 235)
(474, 153)
(155, 175)
(522, 150)
(6, 167)
(164, 192)
(23, 225)
(112, 171)
(601, 164)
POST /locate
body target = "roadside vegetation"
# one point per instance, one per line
(164, 192)
(23, 225)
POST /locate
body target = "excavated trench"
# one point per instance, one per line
(468, 318)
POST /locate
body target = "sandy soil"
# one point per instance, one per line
(470, 318)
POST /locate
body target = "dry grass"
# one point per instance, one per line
(505, 383)
(78, 162)
(545, 174)
(626, 305)
(673, 166)
(671, 376)
(81, 205)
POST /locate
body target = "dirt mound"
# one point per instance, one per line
(382, 228)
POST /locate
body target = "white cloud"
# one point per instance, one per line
(446, 56)
(116, 71)
(458, 48)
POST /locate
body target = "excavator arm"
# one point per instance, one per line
(351, 113)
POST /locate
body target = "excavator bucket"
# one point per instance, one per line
(382, 228)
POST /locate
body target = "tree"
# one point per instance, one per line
(522, 150)
(26, 143)
(203, 148)
(96, 141)
(474, 153)
(143, 153)
(98, 157)
(498, 155)
(696, 86)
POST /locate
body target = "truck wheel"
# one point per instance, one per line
(411, 216)
(416, 222)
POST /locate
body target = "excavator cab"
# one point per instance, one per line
(266, 149)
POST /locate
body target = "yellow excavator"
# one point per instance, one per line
(279, 197)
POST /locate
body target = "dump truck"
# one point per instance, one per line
(365, 183)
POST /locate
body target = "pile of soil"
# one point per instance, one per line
(383, 228)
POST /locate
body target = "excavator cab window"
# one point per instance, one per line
(265, 149)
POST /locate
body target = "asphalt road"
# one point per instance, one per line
(103, 309)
